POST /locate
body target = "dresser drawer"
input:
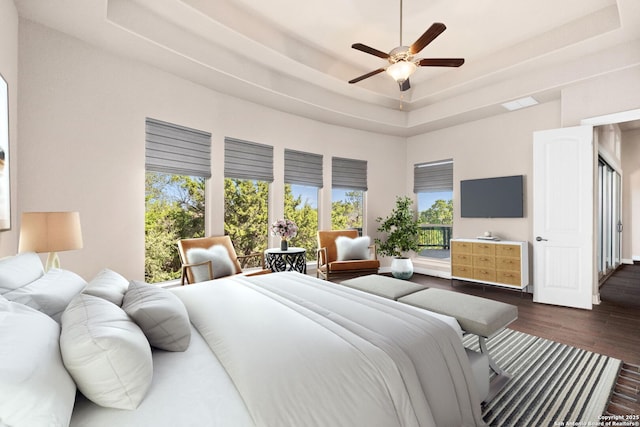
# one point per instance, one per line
(485, 261)
(486, 274)
(461, 247)
(462, 271)
(508, 250)
(501, 263)
(484, 249)
(461, 259)
(508, 277)
(509, 264)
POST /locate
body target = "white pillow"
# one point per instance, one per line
(219, 257)
(19, 270)
(349, 248)
(106, 353)
(108, 285)
(160, 314)
(50, 293)
(35, 388)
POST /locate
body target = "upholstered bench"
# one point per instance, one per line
(388, 287)
(479, 316)
(383, 286)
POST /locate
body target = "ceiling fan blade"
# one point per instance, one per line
(434, 31)
(441, 62)
(366, 76)
(366, 49)
(405, 85)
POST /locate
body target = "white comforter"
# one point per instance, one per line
(298, 351)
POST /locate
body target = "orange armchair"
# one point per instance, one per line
(328, 265)
(207, 242)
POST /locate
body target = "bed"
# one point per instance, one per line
(287, 349)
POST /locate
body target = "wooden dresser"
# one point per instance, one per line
(492, 262)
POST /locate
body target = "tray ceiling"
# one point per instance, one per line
(296, 56)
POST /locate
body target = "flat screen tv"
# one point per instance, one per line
(500, 197)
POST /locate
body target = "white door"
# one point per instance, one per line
(563, 207)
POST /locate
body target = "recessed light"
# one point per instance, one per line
(520, 103)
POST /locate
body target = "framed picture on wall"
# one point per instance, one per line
(5, 181)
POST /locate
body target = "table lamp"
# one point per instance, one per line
(50, 232)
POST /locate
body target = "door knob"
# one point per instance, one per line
(540, 239)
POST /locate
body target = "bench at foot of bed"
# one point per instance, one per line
(479, 316)
(383, 286)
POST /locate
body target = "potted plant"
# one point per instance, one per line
(402, 236)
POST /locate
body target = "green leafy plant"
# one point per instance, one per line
(401, 228)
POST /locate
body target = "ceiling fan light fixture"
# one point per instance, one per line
(401, 70)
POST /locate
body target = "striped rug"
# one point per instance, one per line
(553, 384)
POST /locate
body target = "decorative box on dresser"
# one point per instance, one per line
(491, 262)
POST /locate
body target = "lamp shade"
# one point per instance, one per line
(50, 232)
(401, 70)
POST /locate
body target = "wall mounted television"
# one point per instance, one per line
(500, 197)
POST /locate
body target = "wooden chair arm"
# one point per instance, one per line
(321, 257)
(186, 266)
(373, 249)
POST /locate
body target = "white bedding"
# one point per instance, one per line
(286, 349)
(189, 388)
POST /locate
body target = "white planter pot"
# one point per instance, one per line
(402, 268)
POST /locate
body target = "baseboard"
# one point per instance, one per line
(422, 270)
(435, 273)
(629, 261)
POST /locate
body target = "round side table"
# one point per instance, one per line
(293, 259)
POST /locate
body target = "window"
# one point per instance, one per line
(177, 161)
(609, 218)
(303, 180)
(349, 183)
(433, 185)
(248, 171)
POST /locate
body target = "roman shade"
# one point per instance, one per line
(349, 173)
(433, 176)
(248, 160)
(177, 150)
(302, 168)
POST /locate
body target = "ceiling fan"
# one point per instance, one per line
(402, 61)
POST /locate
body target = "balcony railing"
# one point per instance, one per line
(434, 236)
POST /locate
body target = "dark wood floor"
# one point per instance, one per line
(611, 328)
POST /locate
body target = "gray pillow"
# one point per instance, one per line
(108, 285)
(105, 352)
(50, 293)
(349, 249)
(160, 314)
(219, 257)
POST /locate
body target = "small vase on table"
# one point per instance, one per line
(284, 244)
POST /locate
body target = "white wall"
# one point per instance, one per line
(82, 113)
(497, 146)
(631, 195)
(606, 94)
(9, 70)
